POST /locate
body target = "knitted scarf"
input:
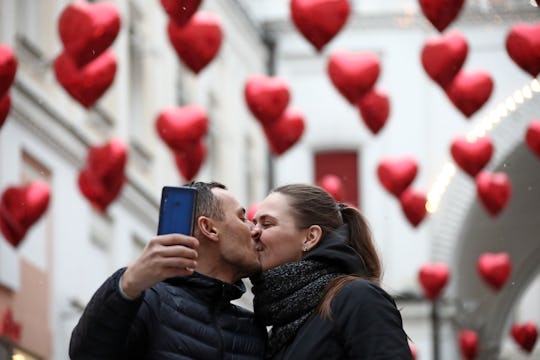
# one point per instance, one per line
(285, 296)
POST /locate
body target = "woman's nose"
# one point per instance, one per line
(255, 232)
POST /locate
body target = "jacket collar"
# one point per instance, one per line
(210, 289)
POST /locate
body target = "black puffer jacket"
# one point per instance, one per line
(180, 318)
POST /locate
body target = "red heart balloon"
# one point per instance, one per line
(532, 137)
(397, 173)
(180, 11)
(266, 97)
(412, 347)
(88, 29)
(181, 127)
(433, 278)
(103, 177)
(525, 335)
(21, 207)
(333, 185)
(374, 109)
(494, 268)
(319, 20)
(494, 190)
(285, 132)
(198, 41)
(471, 156)
(441, 13)
(468, 344)
(523, 46)
(252, 210)
(443, 57)
(413, 204)
(5, 106)
(469, 91)
(353, 73)
(8, 68)
(89, 83)
(189, 160)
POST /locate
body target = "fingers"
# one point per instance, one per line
(176, 239)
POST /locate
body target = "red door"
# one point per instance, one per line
(344, 165)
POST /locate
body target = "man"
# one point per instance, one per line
(161, 308)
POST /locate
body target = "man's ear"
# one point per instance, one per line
(313, 236)
(207, 228)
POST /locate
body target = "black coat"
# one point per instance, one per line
(180, 318)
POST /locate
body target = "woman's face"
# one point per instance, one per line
(278, 240)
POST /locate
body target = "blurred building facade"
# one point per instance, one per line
(47, 280)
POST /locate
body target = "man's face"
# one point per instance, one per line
(237, 246)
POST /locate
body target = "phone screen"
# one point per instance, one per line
(177, 210)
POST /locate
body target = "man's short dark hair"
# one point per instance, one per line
(207, 203)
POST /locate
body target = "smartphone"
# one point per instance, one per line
(177, 210)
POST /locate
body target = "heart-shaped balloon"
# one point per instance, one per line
(182, 127)
(5, 106)
(103, 176)
(20, 207)
(374, 109)
(87, 84)
(413, 204)
(285, 132)
(471, 155)
(180, 11)
(494, 190)
(532, 137)
(197, 42)
(189, 160)
(397, 173)
(468, 343)
(433, 278)
(525, 335)
(267, 97)
(333, 185)
(412, 347)
(319, 20)
(251, 211)
(8, 68)
(443, 57)
(494, 268)
(88, 29)
(523, 46)
(353, 73)
(469, 91)
(441, 13)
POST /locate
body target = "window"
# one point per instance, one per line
(343, 164)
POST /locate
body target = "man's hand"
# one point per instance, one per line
(163, 257)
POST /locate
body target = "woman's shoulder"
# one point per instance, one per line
(362, 291)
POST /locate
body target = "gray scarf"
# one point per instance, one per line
(285, 296)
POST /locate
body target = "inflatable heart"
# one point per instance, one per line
(353, 73)
(471, 156)
(21, 207)
(333, 185)
(266, 97)
(433, 278)
(189, 160)
(494, 268)
(413, 204)
(251, 211)
(198, 41)
(180, 11)
(441, 13)
(443, 57)
(469, 91)
(525, 335)
(319, 20)
(523, 47)
(5, 106)
(468, 344)
(182, 127)
(87, 84)
(374, 109)
(532, 137)
(103, 176)
(412, 347)
(88, 29)
(8, 68)
(285, 132)
(494, 190)
(397, 173)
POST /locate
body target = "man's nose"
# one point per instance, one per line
(255, 232)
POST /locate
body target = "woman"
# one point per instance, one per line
(319, 289)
